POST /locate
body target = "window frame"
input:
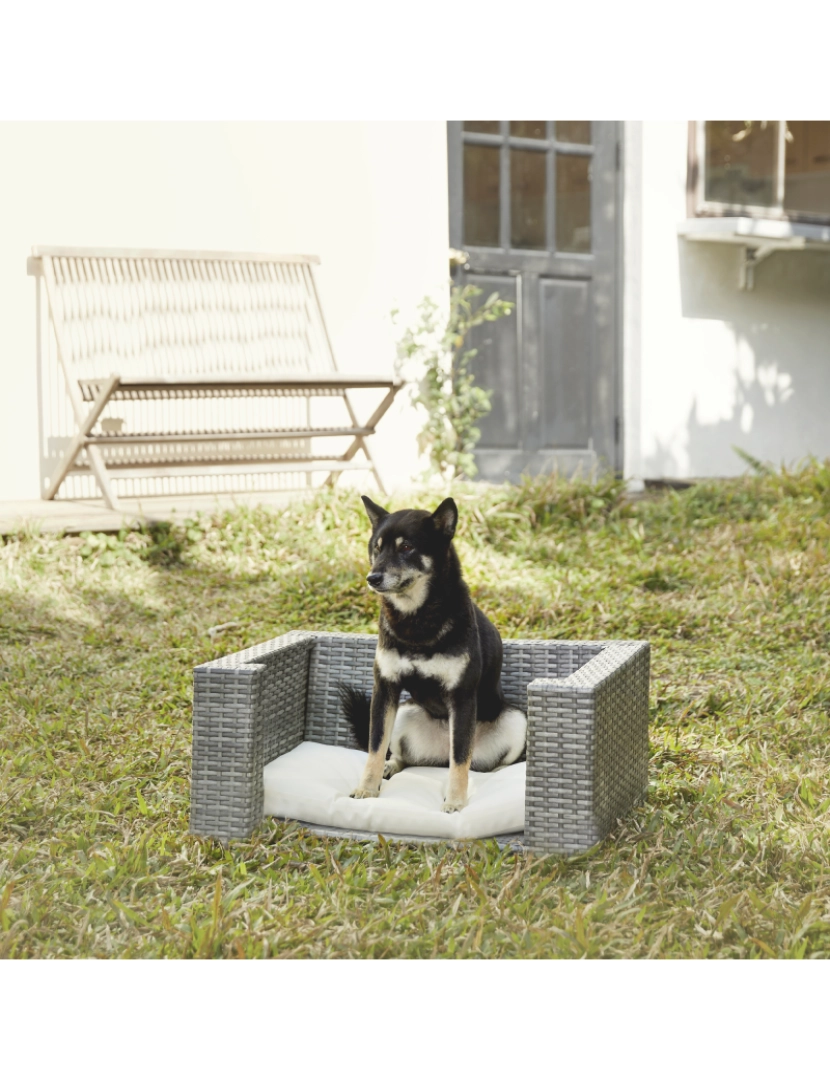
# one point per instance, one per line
(550, 146)
(698, 206)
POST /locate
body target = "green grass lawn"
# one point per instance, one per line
(729, 856)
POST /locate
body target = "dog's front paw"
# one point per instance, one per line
(453, 807)
(365, 793)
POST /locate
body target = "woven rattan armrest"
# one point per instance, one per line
(587, 749)
(248, 708)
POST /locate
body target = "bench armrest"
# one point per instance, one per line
(587, 749)
(248, 708)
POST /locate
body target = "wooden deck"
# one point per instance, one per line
(82, 515)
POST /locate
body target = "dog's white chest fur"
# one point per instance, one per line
(448, 670)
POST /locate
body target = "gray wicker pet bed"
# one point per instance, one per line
(587, 708)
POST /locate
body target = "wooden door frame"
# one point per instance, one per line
(528, 259)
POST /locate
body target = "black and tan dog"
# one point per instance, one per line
(438, 646)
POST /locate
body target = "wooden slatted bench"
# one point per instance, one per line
(209, 359)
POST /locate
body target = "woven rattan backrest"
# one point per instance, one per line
(349, 658)
(186, 314)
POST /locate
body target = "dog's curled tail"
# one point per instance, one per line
(356, 705)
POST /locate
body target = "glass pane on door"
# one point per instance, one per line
(481, 195)
(484, 127)
(528, 188)
(573, 131)
(529, 129)
(573, 203)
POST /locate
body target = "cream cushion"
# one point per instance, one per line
(313, 783)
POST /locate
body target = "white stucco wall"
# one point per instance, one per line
(717, 366)
(369, 198)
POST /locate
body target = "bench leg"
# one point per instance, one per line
(99, 469)
(359, 442)
(96, 460)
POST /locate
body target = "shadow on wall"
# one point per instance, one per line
(781, 359)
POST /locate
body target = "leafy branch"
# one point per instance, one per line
(433, 356)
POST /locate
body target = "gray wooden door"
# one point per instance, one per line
(533, 205)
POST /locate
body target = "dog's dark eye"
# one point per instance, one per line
(405, 548)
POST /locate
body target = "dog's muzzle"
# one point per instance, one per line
(383, 583)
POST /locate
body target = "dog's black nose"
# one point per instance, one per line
(375, 578)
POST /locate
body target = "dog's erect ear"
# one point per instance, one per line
(445, 518)
(376, 513)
